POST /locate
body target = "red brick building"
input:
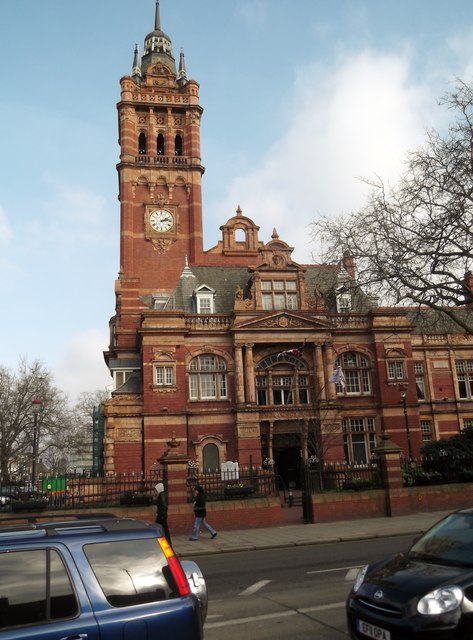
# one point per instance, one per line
(231, 349)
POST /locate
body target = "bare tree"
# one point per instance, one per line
(414, 243)
(21, 433)
(56, 435)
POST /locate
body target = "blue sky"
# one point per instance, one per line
(301, 98)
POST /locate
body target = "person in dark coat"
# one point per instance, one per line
(162, 510)
(199, 514)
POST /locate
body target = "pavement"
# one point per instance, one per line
(294, 535)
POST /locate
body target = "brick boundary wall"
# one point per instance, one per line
(265, 512)
(225, 515)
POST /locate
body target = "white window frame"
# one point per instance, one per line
(124, 373)
(204, 300)
(426, 430)
(164, 375)
(356, 368)
(278, 294)
(396, 370)
(160, 301)
(208, 378)
(343, 303)
(205, 304)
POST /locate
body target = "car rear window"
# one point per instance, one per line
(131, 571)
(35, 588)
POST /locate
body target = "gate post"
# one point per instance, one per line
(389, 460)
(174, 466)
(307, 504)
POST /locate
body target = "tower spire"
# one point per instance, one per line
(158, 48)
(182, 73)
(157, 18)
(136, 69)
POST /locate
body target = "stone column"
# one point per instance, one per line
(249, 375)
(321, 389)
(239, 375)
(328, 369)
(152, 136)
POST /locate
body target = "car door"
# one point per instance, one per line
(42, 597)
(133, 592)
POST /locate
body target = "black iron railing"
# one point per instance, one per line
(73, 491)
(250, 482)
(339, 476)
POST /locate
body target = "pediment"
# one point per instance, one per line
(285, 320)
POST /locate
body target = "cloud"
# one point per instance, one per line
(357, 119)
(83, 367)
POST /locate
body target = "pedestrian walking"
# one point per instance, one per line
(162, 510)
(200, 512)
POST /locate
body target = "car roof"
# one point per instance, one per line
(13, 530)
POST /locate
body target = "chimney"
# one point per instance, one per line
(349, 264)
(468, 287)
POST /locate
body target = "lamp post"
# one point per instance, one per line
(406, 421)
(35, 407)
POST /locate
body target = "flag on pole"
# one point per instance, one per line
(338, 377)
(295, 351)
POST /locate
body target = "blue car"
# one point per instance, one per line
(98, 578)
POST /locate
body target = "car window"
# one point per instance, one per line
(35, 588)
(131, 571)
(451, 540)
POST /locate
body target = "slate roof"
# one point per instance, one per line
(433, 321)
(224, 280)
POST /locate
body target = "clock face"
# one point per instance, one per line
(161, 220)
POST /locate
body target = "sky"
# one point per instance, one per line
(302, 100)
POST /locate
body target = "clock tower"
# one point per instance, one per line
(160, 170)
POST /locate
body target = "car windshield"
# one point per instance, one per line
(448, 542)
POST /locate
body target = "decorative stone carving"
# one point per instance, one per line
(127, 435)
(248, 431)
(162, 244)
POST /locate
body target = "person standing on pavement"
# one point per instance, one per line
(200, 513)
(162, 510)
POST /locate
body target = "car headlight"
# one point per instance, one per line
(360, 576)
(440, 601)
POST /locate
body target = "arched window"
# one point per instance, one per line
(160, 144)
(240, 235)
(356, 368)
(208, 378)
(142, 144)
(282, 381)
(210, 458)
(178, 145)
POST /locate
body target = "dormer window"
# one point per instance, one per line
(279, 294)
(160, 301)
(343, 302)
(204, 300)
